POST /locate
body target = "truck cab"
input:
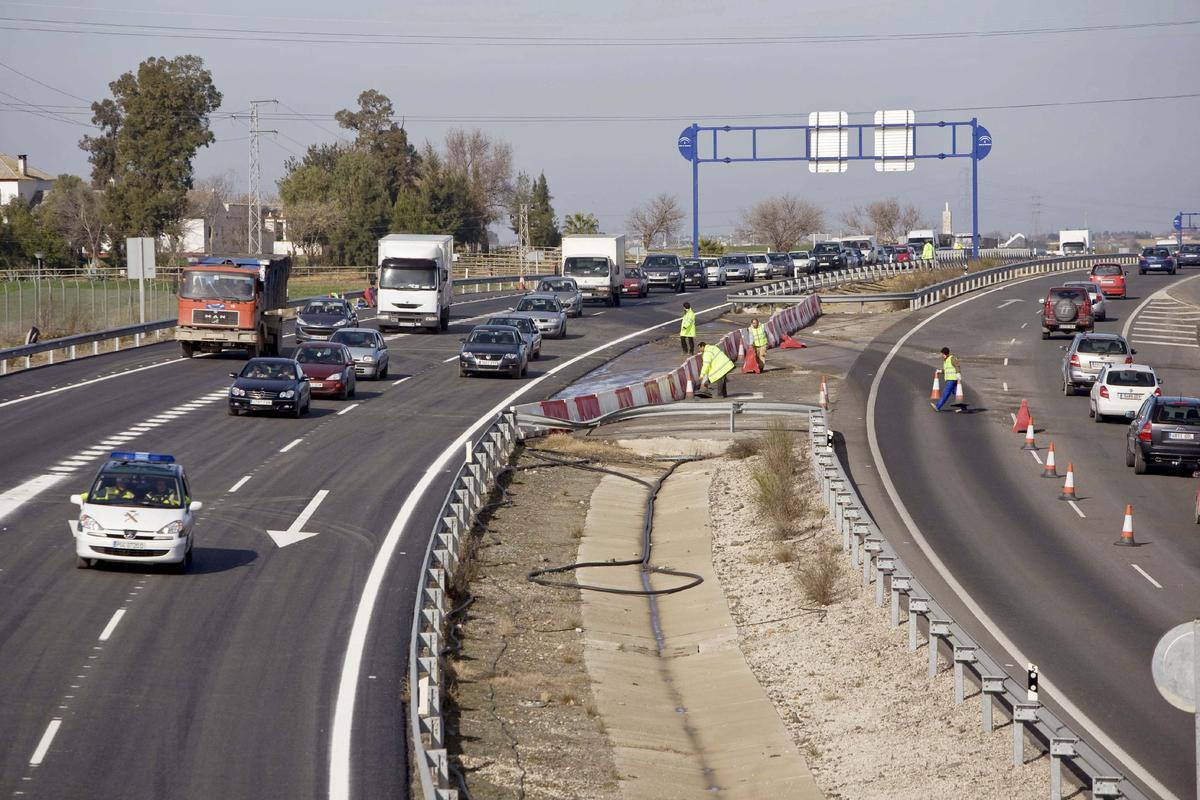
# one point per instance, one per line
(232, 303)
(597, 262)
(414, 281)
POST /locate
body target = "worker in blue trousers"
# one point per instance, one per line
(950, 374)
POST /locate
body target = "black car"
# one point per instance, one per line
(781, 265)
(829, 255)
(270, 384)
(320, 318)
(663, 271)
(1165, 432)
(1188, 256)
(694, 273)
(494, 348)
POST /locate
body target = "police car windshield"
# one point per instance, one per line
(136, 486)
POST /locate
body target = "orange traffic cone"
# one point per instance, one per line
(1048, 469)
(751, 363)
(1126, 539)
(1024, 418)
(1068, 492)
(689, 390)
(1030, 444)
(788, 343)
(960, 397)
(935, 393)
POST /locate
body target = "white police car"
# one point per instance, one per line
(138, 510)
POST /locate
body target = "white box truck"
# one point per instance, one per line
(1074, 243)
(597, 263)
(414, 281)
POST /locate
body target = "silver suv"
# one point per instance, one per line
(1088, 353)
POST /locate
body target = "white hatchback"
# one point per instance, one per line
(1120, 389)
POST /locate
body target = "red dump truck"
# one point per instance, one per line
(233, 303)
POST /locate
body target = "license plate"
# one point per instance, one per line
(1129, 395)
(260, 402)
(1185, 436)
(1068, 327)
(126, 544)
(317, 384)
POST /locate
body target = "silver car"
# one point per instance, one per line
(369, 350)
(715, 271)
(529, 332)
(567, 292)
(546, 312)
(761, 265)
(803, 261)
(1088, 353)
(1094, 295)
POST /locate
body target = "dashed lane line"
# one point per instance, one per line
(112, 625)
(239, 484)
(89, 382)
(43, 746)
(290, 445)
(348, 409)
(1078, 510)
(1146, 575)
(402, 380)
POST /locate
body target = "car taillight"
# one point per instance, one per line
(1144, 433)
(1075, 360)
(1157, 391)
(1104, 392)
(1128, 359)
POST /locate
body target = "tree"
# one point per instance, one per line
(659, 216)
(886, 219)
(75, 211)
(580, 222)
(543, 226)
(311, 224)
(782, 221)
(150, 131)
(359, 189)
(711, 247)
(443, 203)
(486, 164)
(377, 132)
(24, 233)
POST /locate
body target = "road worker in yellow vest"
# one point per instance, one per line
(758, 340)
(927, 252)
(687, 331)
(715, 367)
(950, 377)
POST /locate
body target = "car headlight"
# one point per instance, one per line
(234, 391)
(674, 274)
(287, 393)
(465, 356)
(510, 356)
(368, 359)
(88, 525)
(171, 530)
(341, 323)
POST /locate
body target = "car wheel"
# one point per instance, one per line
(345, 393)
(233, 412)
(1098, 417)
(382, 374)
(1045, 333)
(1141, 272)
(1128, 455)
(83, 563)
(187, 557)
(297, 411)
(354, 388)
(1068, 388)
(1139, 462)
(462, 373)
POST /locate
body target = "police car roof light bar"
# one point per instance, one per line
(159, 458)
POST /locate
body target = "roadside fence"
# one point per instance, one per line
(61, 306)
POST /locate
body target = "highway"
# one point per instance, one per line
(224, 682)
(1035, 578)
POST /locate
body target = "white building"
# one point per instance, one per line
(18, 179)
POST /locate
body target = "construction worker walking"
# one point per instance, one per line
(715, 368)
(950, 376)
(758, 340)
(687, 330)
(927, 252)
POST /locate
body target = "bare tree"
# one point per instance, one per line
(909, 220)
(782, 221)
(659, 216)
(310, 223)
(885, 219)
(76, 212)
(486, 163)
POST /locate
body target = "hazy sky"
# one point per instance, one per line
(1114, 166)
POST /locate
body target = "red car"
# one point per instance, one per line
(1110, 278)
(904, 254)
(635, 283)
(329, 367)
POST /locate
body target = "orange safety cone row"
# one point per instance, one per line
(1127, 539)
(1024, 418)
(935, 393)
(788, 343)
(751, 365)
(1068, 492)
(1030, 444)
(1048, 469)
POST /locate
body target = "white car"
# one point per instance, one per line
(715, 271)
(804, 262)
(1120, 390)
(138, 510)
(1095, 295)
(761, 265)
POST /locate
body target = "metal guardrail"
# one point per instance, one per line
(723, 408)
(71, 346)
(938, 292)
(869, 549)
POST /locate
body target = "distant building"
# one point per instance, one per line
(18, 179)
(947, 220)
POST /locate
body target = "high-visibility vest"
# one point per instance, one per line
(927, 251)
(687, 326)
(715, 364)
(758, 335)
(949, 371)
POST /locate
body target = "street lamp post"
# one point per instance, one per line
(37, 289)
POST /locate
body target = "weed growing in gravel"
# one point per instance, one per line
(742, 448)
(775, 480)
(783, 554)
(818, 576)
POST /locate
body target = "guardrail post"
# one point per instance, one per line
(95, 348)
(963, 654)
(916, 605)
(28, 361)
(1060, 747)
(1022, 713)
(871, 546)
(901, 584)
(938, 629)
(1106, 786)
(989, 686)
(72, 352)
(885, 565)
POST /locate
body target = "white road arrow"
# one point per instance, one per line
(293, 534)
(1009, 303)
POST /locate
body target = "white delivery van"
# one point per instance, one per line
(597, 263)
(414, 281)
(1074, 242)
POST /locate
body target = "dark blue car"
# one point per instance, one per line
(1156, 259)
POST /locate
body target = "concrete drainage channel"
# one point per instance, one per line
(870, 551)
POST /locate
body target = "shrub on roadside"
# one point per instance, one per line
(818, 575)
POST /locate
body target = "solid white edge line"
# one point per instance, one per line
(947, 576)
(451, 358)
(81, 384)
(112, 625)
(1146, 575)
(290, 445)
(43, 744)
(402, 380)
(348, 409)
(1078, 510)
(238, 485)
(347, 691)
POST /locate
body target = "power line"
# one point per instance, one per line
(42, 83)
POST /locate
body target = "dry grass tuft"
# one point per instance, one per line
(579, 447)
(818, 576)
(783, 554)
(742, 448)
(775, 480)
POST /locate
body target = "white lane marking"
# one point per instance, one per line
(451, 358)
(44, 745)
(1078, 510)
(1014, 417)
(1161, 343)
(74, 462)
(81, 384)
(402, 380)
(62, 470)
(1146, 326)
(112, 624)
(348, 409)
(598, 313)
(1010, 302)
(1004, 385)
(1036, 457)
(290, 445)
(1153, 297)
(1146, 575)
(1012, 340)
(347, 690)
(14, 498)
(239, 484)
(1023, 324)
(1006, 361)
(1085, 722)
(293, 534)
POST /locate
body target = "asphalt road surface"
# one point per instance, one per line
(127, 682)
(1041, 577)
